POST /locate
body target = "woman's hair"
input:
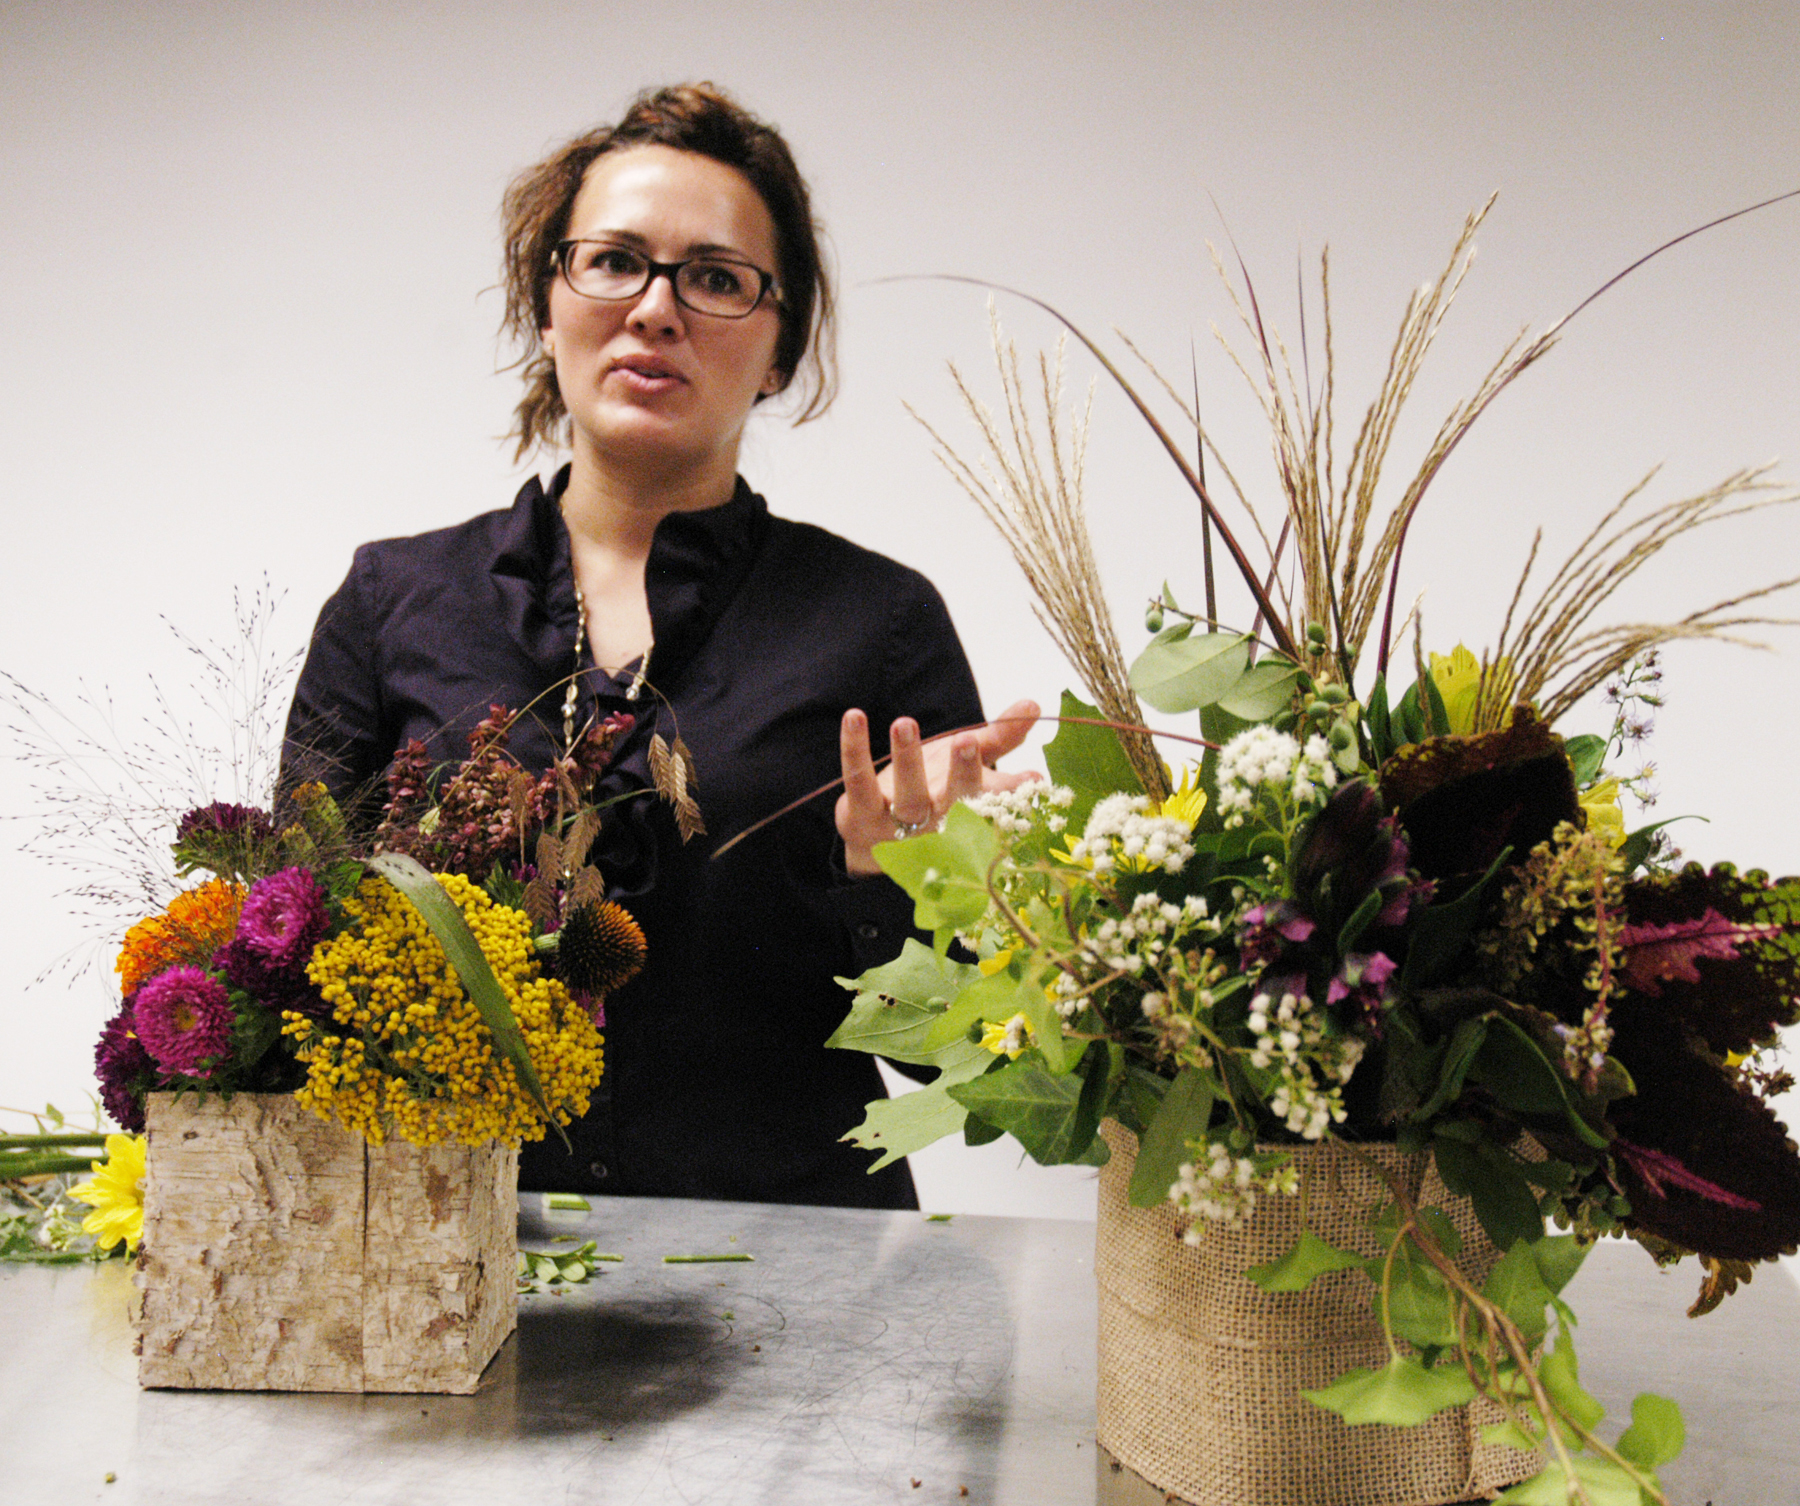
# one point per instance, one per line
(698, 118)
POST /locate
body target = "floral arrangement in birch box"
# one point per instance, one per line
(1392, 895)
(441, 981)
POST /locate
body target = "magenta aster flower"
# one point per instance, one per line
(183, 1017)
(283, 919)
(122, 1065)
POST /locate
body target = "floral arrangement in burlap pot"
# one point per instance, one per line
(1391, 1009)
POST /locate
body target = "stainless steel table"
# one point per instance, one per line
(862, 1357)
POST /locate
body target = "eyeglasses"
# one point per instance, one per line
(716, 285)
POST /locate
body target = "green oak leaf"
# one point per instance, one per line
(898, 1126)
(1088, 760)
(1309, 1259)
(897, 1004)
(1402, 1394)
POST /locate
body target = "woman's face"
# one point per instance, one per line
(653, 389)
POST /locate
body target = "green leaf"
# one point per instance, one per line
(1560, 1374)
(1419, 1307)
(1491, 1180)
(1263, 690)
(979, 1131)
(945, 872)
(1637, 844)
(1361, 918)
(898, 1126)
(1179, 671)
(1310, 1259)
(1037, 1108)
(1587, 754)
(1183, 1115)
(1443, 931)
(1516, 1286)
(897, 1004)
(440, 913)
(1088, 760)
(1462, 1051)
(1508, 1435)
(1513, 1067)
(1605, 1482)
(995, 997)
(1656, 1434)
(1440, 716)
(1402, 1394)
(1382, 741)
(1559, 1257)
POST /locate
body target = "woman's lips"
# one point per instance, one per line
(645, 375)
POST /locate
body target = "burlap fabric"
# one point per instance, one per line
(1201, 1370)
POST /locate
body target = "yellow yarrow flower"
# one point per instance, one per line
(116, 1194)
(406, 1053)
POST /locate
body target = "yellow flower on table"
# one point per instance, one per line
(116, 1194)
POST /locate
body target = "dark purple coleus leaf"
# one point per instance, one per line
(1462, 800)
(1706, 1164)
(1720, 950)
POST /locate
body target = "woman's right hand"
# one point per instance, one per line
(922, 780)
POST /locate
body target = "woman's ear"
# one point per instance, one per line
(774, 382)
(547, 338)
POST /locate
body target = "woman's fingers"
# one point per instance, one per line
(1006, 731)
(910, 798)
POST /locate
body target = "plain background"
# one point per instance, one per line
(247, 253)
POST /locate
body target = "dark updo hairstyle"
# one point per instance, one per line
(698, 118)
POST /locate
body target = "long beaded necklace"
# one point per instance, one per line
(571, 696)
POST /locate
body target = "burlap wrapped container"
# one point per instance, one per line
(282, 1253)
(1201, 1370)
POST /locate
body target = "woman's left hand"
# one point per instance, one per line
(923, 779)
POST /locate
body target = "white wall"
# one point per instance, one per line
(246, 309)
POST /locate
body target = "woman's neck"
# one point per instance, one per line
(615, 514)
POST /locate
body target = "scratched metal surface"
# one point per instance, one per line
(862, 1352)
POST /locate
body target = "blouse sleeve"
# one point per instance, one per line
(334, 727)
(926, 677)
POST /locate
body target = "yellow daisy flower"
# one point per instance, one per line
(1012, 1037)
(116, 1194)
(1188, 800)
(1458, 680)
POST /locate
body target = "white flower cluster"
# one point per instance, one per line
(1121, 828)
(1292, 1038)
(1012, 811)
(1260, 758)
(1223, 1190)
(1065, 994)
(1134, 942)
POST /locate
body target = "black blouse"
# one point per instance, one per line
(718, 1083)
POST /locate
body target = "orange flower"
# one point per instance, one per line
(197, 923)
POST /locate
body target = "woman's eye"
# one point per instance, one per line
(611, 261)
(717, 277)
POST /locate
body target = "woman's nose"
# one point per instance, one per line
(657, 308)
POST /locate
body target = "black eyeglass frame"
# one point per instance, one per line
(670, 269)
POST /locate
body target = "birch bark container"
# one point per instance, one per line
(283, 1253)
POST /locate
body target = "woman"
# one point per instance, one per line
(667, 275)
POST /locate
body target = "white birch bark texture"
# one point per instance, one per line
(282, 1253)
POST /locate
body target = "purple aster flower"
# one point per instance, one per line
(183, 1017)
(283, 919)
(121, 1062)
